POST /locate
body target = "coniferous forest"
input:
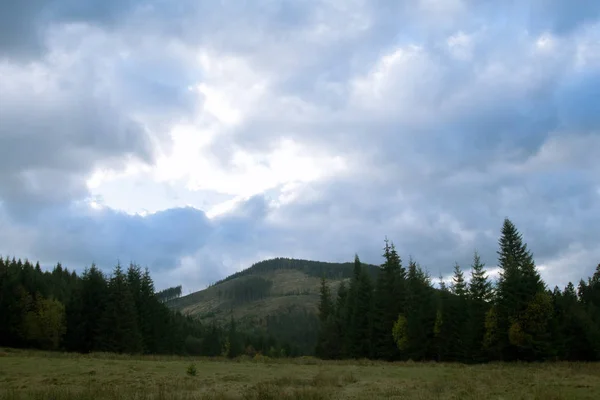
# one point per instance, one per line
(401, 316)
(396, 313)
(120, 313)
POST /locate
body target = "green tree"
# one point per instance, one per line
(420, 314)
(360, 303)
(388, 303)
(456, 317)
(339, 349)
(400, 333)
(480, 295)
(119, 324)
(234, 340)
(45, 324)
(326, 327)
(518, 286)
(589, 295)
(85, 310)
(530, 331)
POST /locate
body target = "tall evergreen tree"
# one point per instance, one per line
(341, 321)
(388, 300)
(326, 329)
(84, 310)
(440, 329)
(360, 303)
(234, 341)
(456, 317)
(589, 295)
(519, 288)
(419, 315)
(119, 332)
(459, 286)
(480, 296)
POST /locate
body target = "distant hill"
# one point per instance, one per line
(278, 296)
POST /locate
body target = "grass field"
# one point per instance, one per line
(58, 376)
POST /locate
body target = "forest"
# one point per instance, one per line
(391, 312)
(401, 316)
(120, 313)
(318, 269)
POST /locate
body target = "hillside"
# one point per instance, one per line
(277, 296)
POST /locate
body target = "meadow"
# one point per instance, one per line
(61, 376)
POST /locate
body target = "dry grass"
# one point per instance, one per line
(60, 376)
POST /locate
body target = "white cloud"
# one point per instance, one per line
(307, 129)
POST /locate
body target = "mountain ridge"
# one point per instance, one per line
(278, 296)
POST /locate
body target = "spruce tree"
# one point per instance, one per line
(119, 323)
(387, 303)
(456, 317)
(325, 302)
(459, 286)
(341, 322)
(589, 295)
(360, 303)
(480, 287)
(518, 289)
(234, 340)
(442, 284)
(480, 296)
(84, 311)
(325, 336)
(440, 329)
(419, 315)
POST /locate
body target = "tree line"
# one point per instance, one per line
(169, 294)
(399, 315)
(120, 313)
(311, 268)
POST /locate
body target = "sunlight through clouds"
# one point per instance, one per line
(307, 129)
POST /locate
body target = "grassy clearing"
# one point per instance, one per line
(59, 376)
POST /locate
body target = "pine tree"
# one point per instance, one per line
(325, 302)
(440, 329)
(119, 323)
(589, 295)
(387, 303)
(442, 284)
(419, 314)
(459, 286)
(480, 288)
(518, 290)
(360, 303)
(236, 347)
(456, 317)
(341, 321)
(480, 296)
(324, 341)
(84, 311)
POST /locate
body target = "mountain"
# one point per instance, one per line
(277, 296)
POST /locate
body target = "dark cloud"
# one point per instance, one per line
(562, 16)
(52, 135)
(450, 118)
(82, 108)
(24, 24)
(21, 35)
(79, 237)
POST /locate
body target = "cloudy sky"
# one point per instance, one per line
(197, 137)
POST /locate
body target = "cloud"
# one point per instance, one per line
(71, 113)
(198, 138)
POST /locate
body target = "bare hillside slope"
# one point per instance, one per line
(278, 296)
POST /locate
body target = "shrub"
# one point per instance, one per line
(191, 370)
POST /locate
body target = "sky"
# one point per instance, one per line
(198, 137)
